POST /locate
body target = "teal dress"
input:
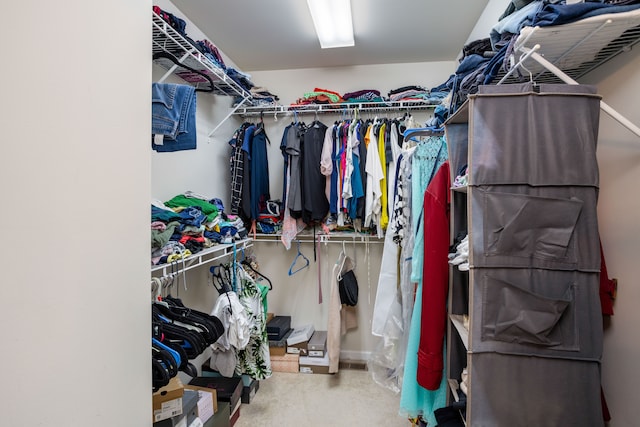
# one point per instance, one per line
(415, 400)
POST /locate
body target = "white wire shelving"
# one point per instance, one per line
(336, 108)
(167, 40)
(204, 257)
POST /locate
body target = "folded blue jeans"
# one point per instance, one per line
(173, 114)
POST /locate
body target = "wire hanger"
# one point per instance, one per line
(295, 261)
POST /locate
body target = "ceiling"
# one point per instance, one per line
(279, 34)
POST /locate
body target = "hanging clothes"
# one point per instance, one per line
(326, 162)
(259, 173)
(435, 279)
(253, 359)
(315, 204)
(245, 205)
(236, 165)
(294, 151)
(429, 155)
(341, 317)
(382, 152)
(237, 333)
(375, 175)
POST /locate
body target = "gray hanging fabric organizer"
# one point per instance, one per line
(536, 334)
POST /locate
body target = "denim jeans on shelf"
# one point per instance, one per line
(173, 113)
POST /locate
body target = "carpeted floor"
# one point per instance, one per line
(349, 398)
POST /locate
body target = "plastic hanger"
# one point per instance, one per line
(342, 258)
(175, 60)
(248, 264)
(427, 131)
(295, 261)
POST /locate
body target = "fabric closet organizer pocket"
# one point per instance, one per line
(525, 226)
(512, 313)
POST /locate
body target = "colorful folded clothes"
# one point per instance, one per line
(365, 95)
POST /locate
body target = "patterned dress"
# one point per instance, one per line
(254, 359)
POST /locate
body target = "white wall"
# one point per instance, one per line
(290, 85)
(618, 207)
(75, 170)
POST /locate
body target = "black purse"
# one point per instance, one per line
(348, 287)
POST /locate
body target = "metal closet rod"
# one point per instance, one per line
(322, 238)
(336, 108)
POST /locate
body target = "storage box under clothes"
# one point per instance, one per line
(207, 402)
(221, 418)
(278, 327)
(298, 340)
(249, 391)
(167, 401)
(285, 363)
(227, 389)
(317, 345)
(188, 415)
(279, 347)
(314, 365)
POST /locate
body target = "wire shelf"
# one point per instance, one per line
(576, 48)
(337, 108)
(167, 40)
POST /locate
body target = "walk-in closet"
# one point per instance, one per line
(431, 224)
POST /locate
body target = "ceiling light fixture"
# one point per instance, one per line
(332, 19)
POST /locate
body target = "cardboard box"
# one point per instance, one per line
(188, 415)
(221, 418)
(207, 401)
(314, 365)
(285, 363)
(300, 334)
(167, 402)
(227, 389)
(317, 346)
(249, 391)
(299, 348)
(279, 347)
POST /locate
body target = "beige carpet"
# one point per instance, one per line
(349, 398)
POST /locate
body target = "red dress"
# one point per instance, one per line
(435, 279)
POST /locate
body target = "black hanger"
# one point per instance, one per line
(221, 279)
(248, 264)
(173, 59)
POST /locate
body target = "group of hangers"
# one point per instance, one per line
(170, 57)
(224, 276)
(161, 284)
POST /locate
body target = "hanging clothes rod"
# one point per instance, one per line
(338, 108)
(324, 238)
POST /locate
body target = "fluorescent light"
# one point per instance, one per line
(332, 19)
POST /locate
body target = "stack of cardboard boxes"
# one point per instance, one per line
(216, 400)
(302, 349)
(178, 405)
